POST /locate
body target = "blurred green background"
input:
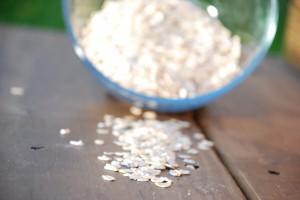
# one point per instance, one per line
(47, 14)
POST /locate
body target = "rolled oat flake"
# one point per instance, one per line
(175, 172)
(98, 142)
(164, 184)
(76, 142)
(108, 178)
(64, 131)
(103, 158)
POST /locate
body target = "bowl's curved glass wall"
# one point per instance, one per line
(255, 21)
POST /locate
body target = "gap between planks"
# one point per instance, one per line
(202, 127)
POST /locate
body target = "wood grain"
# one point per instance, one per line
(292, 33)
(257, 132)
(60, 93)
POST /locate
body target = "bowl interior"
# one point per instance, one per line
(254, 21)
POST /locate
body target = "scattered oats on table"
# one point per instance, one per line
(149, 147)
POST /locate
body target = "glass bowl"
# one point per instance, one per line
(254, 21)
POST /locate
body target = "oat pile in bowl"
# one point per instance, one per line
(162, 48)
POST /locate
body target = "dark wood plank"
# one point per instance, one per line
(60, 93)
(256, 129)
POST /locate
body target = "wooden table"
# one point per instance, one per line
(256, 129)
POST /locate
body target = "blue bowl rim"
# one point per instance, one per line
(206, 97)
